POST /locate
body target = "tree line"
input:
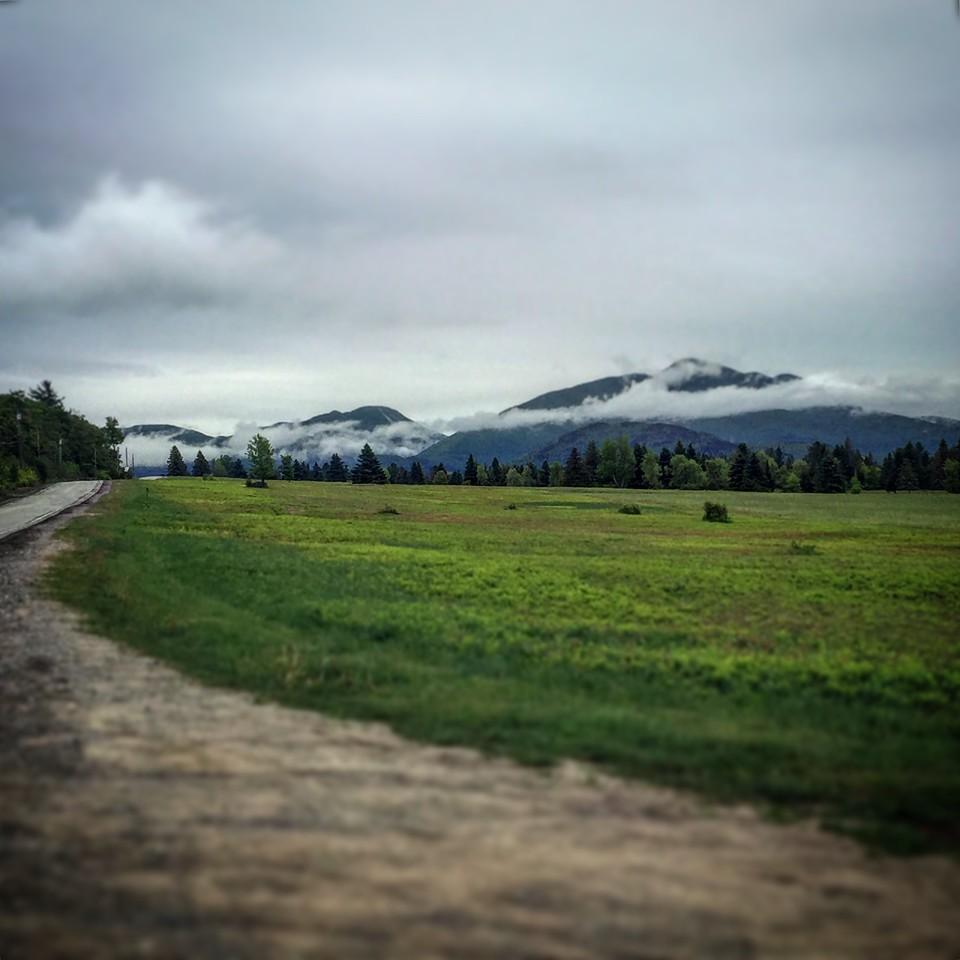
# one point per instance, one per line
(615, 463)
(41, 441)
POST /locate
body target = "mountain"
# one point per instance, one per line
(795, 430)
(602, 389)
(693, 376)
(388, 431)
(689, 375)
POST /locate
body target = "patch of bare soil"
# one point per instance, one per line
(142, 815)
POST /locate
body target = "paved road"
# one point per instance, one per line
(19, 514)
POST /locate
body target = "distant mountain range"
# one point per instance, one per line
(395, 436)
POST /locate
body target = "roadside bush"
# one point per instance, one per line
(715, 512)
(27, 477)
(632, 509)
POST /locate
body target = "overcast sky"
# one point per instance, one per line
(224, 211)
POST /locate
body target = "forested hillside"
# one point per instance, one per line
(41, 441)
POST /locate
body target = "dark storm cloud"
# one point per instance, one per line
(448, 207)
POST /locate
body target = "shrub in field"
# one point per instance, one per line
(256, 483)
(510, 506)
(715, 512)
(393, 511)
(632, 509)
(806, 549)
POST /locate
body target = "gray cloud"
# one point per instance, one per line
(267, 211)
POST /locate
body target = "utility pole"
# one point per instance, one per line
(19, 440)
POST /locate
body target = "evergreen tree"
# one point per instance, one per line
(175, 463)
(497, 474)
(416, 472)
(828, 477)
(591, 463)
(574, 470)
(470, 471)
(665, 458)
(286, 467)
(951, 476)
(907, 476)
(337, 471)
(739, 463)
(368, 469)
(260, 456)
(937, 464)
(300, 470)
(456, 478)
(237, 470)
(200, 466)
(316, 472)
(543, 475)
(639, 452)
(45, 394)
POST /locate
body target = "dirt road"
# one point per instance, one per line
(144, 816)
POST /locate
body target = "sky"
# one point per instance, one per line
(244, 212)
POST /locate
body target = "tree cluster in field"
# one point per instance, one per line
(614, 463)
(41, 441)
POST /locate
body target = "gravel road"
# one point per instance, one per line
(142, 815)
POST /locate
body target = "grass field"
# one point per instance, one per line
(804, 657)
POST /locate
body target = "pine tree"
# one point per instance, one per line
(456, 478)
(286, 467)
(907, 476)
(260, 455)
(828, 478)
(45, 394)
(368, 469)
(416, 472)
(543, 476)
(470, 471)
(738, 468)
(200, 466)
(337, 470)
(591, 463)
(497, 473)
(665, 457)
(316, 472)
(574, 471)
(175, 463)
(237, 470)
(639, 452)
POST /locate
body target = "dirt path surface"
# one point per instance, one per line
(24, 512)
(142, 815)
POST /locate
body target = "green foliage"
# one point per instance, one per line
(368, 468)
(260, 455)
(686, 474)
(715, 512)
(200, 466)
(617, 466)
(715, 659)
(27, 477)
(631, 509)
(38, 434)
(951, 473)
(387, 509)
(176, 466)
(804, 549)
(651, 471)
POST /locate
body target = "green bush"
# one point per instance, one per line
(632, 509)
(27, 477)
(715, 512)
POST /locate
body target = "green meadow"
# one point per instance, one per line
(803, 657)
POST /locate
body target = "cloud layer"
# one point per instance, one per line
(221, 211)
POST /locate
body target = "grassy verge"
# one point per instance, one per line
(803, 657)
